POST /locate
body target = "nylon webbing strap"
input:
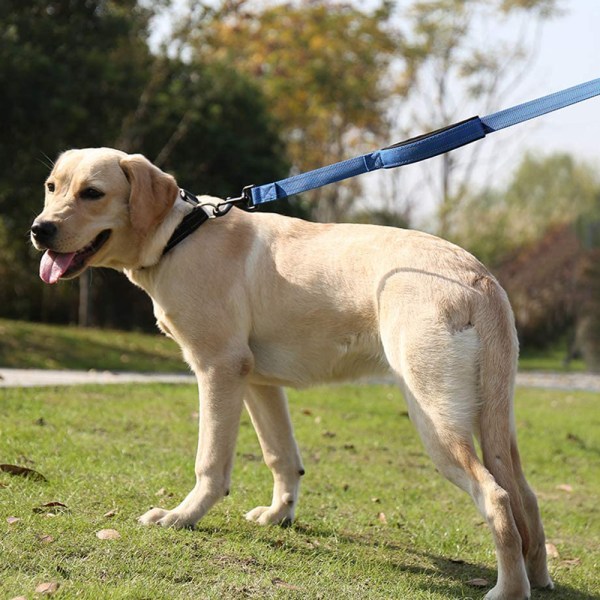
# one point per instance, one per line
(425, 146)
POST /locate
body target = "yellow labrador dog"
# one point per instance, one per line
(260, 301)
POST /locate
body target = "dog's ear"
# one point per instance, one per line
(152, 195)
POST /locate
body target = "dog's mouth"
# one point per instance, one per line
(64, 265)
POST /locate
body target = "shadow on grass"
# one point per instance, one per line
(445, 576)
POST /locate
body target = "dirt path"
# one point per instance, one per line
(39, 377)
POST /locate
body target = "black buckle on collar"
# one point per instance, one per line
(188, 197)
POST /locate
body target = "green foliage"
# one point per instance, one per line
(80, 74)
(69, 71)
(545, 191)
(224, 136)
(323, 67)
(125, 448)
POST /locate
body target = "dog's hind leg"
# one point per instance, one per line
(535, 559)
(270, 416)
(496, 425)
(439, 371)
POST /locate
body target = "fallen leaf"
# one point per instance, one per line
(111, 513)
(551, 550)
(45, 539)
(478, 582)
(19, 598)
(565, 487)
(571, 562)
(382, 518)
(57, 506)
(164, 492)
(329, 434)
(280, 583)
(11, 520)
(376, 500)
(22, 472)
(307, 411)
(47, 588)
(108, 534)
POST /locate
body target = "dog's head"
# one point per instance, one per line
(100, 207)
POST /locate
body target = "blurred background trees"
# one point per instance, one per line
(82, 74)
(237, 92)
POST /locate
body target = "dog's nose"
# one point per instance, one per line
(43, 231)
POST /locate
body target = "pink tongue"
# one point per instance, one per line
(54, 264)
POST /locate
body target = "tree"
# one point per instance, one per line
(541, 235)
(95, 82)
(68, 72)
(455, 65)
(322, 67)
(210, 126)
(543, 193)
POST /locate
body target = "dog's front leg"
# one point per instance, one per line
(221, 401)
(270, 416)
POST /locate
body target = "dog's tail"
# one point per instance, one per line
(498, 367)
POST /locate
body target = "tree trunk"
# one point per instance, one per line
(84, 299)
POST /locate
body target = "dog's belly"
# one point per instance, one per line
(317, 360)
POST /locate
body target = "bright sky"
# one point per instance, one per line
(569, 54)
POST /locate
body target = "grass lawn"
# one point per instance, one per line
(374, 520)
(36, 345)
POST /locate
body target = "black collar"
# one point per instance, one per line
(189, 223)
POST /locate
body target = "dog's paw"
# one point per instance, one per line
(153, 516)
(166, 518)
(547, 584)
(497, 593)
(269, 515)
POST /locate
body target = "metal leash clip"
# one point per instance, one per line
(244, 201)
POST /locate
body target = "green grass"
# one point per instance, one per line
(104, 448)
(35, 345)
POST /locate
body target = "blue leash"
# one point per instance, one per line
(417, 149)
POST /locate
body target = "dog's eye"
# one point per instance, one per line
(50, 187)
(91, 194)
